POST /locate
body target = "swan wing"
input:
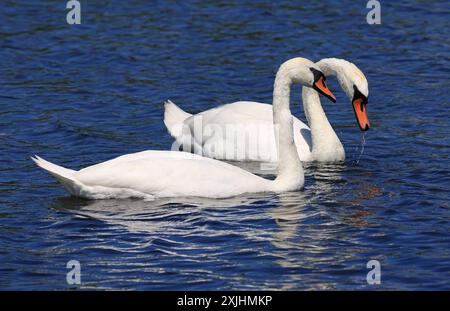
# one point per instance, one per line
(253, 122)
(169, 174)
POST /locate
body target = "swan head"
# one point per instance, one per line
(354, 84)
(303, 71)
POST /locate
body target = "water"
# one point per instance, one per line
(363, 144)
(78, 95)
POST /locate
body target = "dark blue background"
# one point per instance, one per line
(81, 94)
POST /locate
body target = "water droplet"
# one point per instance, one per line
(363, 143)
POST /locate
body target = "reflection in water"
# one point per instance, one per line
(302, 237)
(368, 191)
(309, 239)
(393, 202)
(309, 236)
(144, 216)
(287, 215)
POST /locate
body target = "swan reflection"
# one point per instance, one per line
(303, 231)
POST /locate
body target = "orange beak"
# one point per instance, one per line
(359, 107)
(321, 87)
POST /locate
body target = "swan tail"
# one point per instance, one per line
(63, 175)
(174, 117)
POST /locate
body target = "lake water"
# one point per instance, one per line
(82, 94)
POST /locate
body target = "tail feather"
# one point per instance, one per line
(63, 175)
(174, 117)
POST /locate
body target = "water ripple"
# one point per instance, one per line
(81, 95)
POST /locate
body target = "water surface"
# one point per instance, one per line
(79, 95)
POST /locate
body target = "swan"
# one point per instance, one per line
(318, 142)
(153, 174)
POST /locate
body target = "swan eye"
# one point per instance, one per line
(317, 74)
(357, 94)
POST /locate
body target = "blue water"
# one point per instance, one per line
(78, 95)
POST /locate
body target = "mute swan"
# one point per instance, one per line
(151, 174)
(317, 143)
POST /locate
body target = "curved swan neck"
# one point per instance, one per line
(290, 171)
(324, 140)
(326, 145)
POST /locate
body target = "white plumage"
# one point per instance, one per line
(151, 174)
(316, 142)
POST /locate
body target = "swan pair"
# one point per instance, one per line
(152, 174)
(254, 120)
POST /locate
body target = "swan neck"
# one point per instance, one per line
(290, 171)
(324, 140)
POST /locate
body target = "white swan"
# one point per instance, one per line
(150, 174)
(217, 133)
